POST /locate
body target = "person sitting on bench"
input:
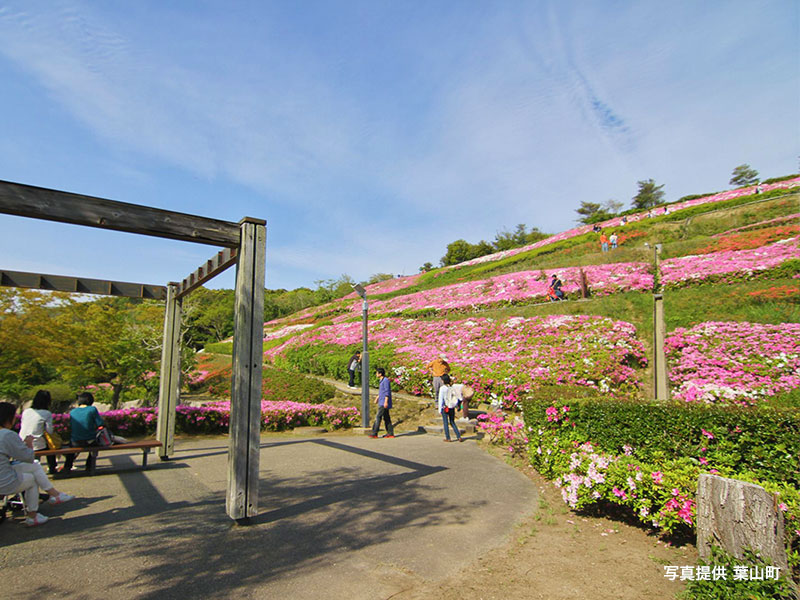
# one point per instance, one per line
(85, 422)
(19, 472)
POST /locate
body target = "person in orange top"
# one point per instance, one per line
(603, 242)
(438, 367)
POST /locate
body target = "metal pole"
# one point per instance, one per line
(364, 366)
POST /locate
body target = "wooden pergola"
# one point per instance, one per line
(243, 243)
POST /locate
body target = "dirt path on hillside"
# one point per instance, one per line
(557, 554)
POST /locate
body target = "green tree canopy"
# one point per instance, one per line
(744, 175)
(649, 195)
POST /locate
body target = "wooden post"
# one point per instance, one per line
(169, 387)
(737, 515)
(659, 356)
(248, 357)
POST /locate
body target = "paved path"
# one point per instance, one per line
(342, 516)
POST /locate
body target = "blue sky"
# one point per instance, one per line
(371, 134)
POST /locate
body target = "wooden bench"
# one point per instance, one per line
(145, 446)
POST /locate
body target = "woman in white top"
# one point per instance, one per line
(35, 421)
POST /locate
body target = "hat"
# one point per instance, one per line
(467, 392)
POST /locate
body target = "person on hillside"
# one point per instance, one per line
(555, 292)
(448, 404)
(384, 402)
(19, 472)
(464, 394)
(603, 242)
(352, 366)
(85, 421)
(438, 367)
(613, 239)
(36, 421)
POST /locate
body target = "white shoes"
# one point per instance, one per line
(60, 499)
(39, 519)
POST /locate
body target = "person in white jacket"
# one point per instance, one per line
(448, 404)
(37, 420)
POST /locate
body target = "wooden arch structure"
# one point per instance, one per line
(243, 243)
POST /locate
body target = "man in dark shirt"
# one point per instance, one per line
(384, 402)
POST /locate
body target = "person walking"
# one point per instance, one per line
(352, 366)
(448, 403)
(438, 367)
(603, 242)
(384, 402)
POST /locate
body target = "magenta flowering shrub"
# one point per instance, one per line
(509, 434)
(214, 418)
(511, 289)
(730, 266)
(740, 363)
(501, 359)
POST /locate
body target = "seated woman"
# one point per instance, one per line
(37, 420)
(20, 473)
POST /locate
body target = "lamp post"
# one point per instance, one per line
(364, 357)
(659, 332)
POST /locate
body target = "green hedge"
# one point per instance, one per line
(276, 385)
(330, 360)
(219, 348)
(761, 441)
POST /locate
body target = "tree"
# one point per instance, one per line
(426, 267)
(649, 195)
(744, 175)
(378, 277)
(613, 206)
(109, 340)
(461, 250)
(591, 212)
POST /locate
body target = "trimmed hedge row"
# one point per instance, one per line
(276, 385)
(761, 440)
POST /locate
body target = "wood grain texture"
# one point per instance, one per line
(81, 285)
(735, 515)
(169, 386)
(65, 207)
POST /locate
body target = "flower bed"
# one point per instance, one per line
(741, 363)
(213, 418)
(647, 456)
(751, 239)
(500, 358)
(790, 218)
(514, 288)
(733, 265)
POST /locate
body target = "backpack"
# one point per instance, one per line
(453, 398)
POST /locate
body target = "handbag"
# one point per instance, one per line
(103, 437)
(54, 441)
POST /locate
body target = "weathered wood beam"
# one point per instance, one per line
(248, 358)
(169, 385)
(53, 205)
(81, 285)
(213, 267)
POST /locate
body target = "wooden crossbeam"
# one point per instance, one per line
(65, 207)
(212, 267)
(81, 285)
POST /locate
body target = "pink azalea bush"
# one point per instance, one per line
(741, 363)
(733, 265)
(213, 418)
(502, 359)
(513, 288)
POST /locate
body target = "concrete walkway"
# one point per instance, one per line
(342, 516)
